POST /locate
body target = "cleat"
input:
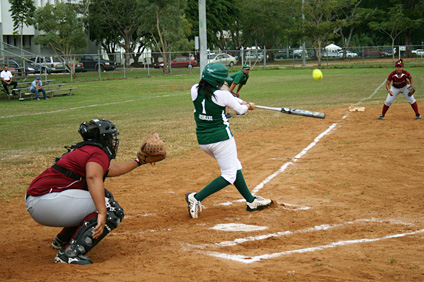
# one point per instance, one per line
(258, 204)
(229, 115)
(418, 116)
(245, 114)
(62, 257)
(381, 117)
(58, 244)
(194, 206)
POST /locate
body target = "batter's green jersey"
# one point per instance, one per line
(211, 123)
(239, 77)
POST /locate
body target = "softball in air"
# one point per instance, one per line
(317, 74)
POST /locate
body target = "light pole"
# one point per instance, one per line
(304, 51)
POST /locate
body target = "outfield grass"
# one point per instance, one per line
(34, 132)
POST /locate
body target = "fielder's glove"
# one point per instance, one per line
(411, 90)
(152, 150)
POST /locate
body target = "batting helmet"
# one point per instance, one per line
(215, 74)
(101, 131)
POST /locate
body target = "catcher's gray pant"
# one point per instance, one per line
(64, 209)
(390, 99)
(225, 153)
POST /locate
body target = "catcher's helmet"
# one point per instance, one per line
(101, 131)
(215, 74)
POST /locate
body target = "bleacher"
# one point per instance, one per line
(23, 91)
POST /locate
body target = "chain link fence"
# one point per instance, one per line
(147, 64)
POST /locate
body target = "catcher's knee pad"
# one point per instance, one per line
(115, 213)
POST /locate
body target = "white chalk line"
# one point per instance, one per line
(322, 227)
(251, 259)
(91, 106)
(310, 146)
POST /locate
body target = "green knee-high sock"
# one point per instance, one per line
(242, 187)
(213, 187)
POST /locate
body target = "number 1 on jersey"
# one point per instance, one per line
(204, 109)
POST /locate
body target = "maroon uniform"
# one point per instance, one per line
(399, 81)
(52, 180)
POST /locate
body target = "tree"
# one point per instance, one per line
(63, 32)
(167, 25)
(393, 23)
(321, 23)
(115, 23)
(22, 12)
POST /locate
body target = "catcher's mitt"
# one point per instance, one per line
(152, 150)
(411, 90)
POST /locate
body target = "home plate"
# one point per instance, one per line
(238, 227)
(356, 109)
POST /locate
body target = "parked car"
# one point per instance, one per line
(331, 54)
(79, 66)
(93, 62)
(418, 52)
(372, 53)
(13, 65)
(179, 62)
(49, 64)
(349, 54)
(389, 51)
(223, 58)
(283, 55)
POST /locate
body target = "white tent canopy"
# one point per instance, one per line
(333, 47)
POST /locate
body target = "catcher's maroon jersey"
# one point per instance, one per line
(52, 180)
(399, 81)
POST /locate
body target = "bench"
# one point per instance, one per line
(50, 92)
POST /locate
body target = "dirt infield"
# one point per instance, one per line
(348, 207)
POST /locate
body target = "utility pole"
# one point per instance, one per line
(203, 36)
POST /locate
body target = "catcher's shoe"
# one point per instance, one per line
(58, 244)
(381, 117)
(194, 206)
(258, 203)
(62, 257)
(229, 115)
(418, 116)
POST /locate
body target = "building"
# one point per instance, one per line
(10, 43)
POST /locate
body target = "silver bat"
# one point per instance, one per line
(293, 111)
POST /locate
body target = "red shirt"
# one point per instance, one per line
(52, 180)
(399, 81)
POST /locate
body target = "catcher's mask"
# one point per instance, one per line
(215, 74)
(101, 131)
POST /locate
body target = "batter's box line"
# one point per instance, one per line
(252, 259)
(306, 230)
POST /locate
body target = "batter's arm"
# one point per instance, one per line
(94, 178)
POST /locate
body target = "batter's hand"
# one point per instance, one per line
(98, 230)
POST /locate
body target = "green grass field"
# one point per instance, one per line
(35, 132)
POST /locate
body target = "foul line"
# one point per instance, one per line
(91, 106)
(251, 259)
(316, 140)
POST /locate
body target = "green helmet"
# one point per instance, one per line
(215, 74)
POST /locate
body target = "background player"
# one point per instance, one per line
(402, 80)
(238, 78)
(71, 193)
(215, 138)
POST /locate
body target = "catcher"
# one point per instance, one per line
(402, 82)
(71, 193)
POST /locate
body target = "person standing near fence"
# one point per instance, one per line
(7, 79)
(401, 82)
(37, 86)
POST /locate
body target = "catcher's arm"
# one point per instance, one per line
(120, 168)
(151, 151)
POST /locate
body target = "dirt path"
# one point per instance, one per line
(349, 209)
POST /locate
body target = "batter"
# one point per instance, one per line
(216, 139)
